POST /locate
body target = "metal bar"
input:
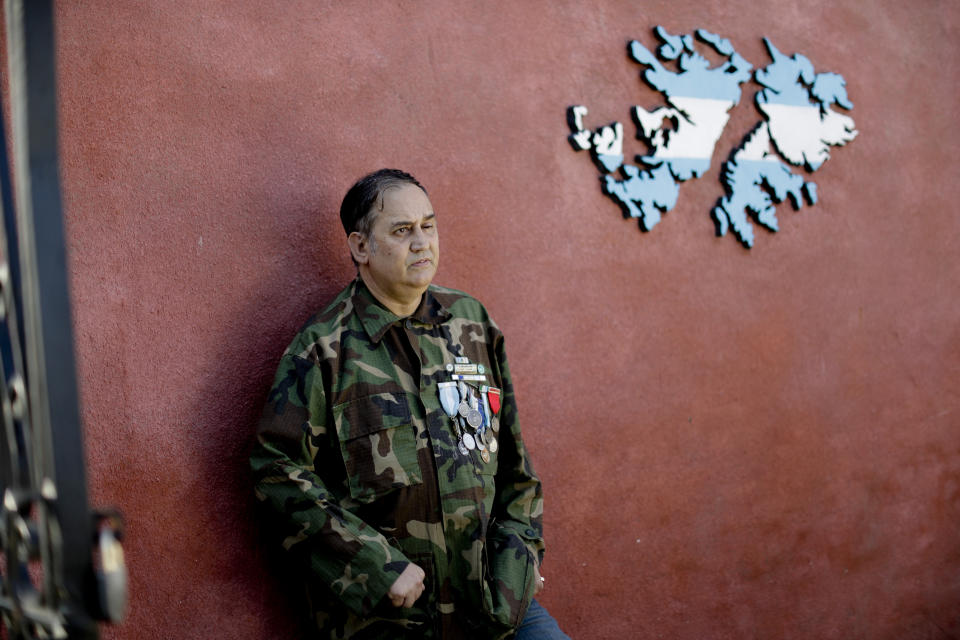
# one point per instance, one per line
(15, 446)
(65, 525)
(39, 434)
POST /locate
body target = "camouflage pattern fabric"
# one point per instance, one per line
(358, 466)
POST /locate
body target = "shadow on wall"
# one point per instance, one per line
(266, 598)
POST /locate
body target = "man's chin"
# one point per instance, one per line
(421, 279)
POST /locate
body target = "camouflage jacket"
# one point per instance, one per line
(359, 464)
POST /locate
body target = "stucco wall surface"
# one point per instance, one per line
(734, 443)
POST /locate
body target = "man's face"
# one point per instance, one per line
(403, 249)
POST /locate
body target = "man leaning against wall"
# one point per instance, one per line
(390, 455)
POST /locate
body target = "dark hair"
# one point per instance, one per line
(357, 209)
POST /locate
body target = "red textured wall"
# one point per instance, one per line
(734, 444)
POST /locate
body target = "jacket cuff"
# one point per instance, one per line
(368, 576)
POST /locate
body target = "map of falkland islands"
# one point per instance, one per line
(681, 137)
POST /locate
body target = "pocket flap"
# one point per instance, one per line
(368, 414)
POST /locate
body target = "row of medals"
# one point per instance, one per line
(474, 415)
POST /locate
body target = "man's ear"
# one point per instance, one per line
(359, 247)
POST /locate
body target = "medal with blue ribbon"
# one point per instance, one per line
(450, 401)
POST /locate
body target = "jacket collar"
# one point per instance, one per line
(377, 319)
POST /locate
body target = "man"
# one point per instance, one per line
(390, 453)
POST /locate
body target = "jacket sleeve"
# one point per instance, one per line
(299, 475)
(518, 509)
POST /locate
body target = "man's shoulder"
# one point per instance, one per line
(327, 323)
(460, 304)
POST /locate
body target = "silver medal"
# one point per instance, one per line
(464, 392)
(474, 419)
(493, 445)
(469, 442)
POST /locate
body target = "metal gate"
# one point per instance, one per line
(62, 566)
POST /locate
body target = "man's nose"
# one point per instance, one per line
(418, 240)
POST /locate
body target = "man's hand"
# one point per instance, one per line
(408, 587)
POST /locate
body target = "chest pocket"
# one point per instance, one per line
(379, 444)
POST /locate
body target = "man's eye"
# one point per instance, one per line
(401, 230)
